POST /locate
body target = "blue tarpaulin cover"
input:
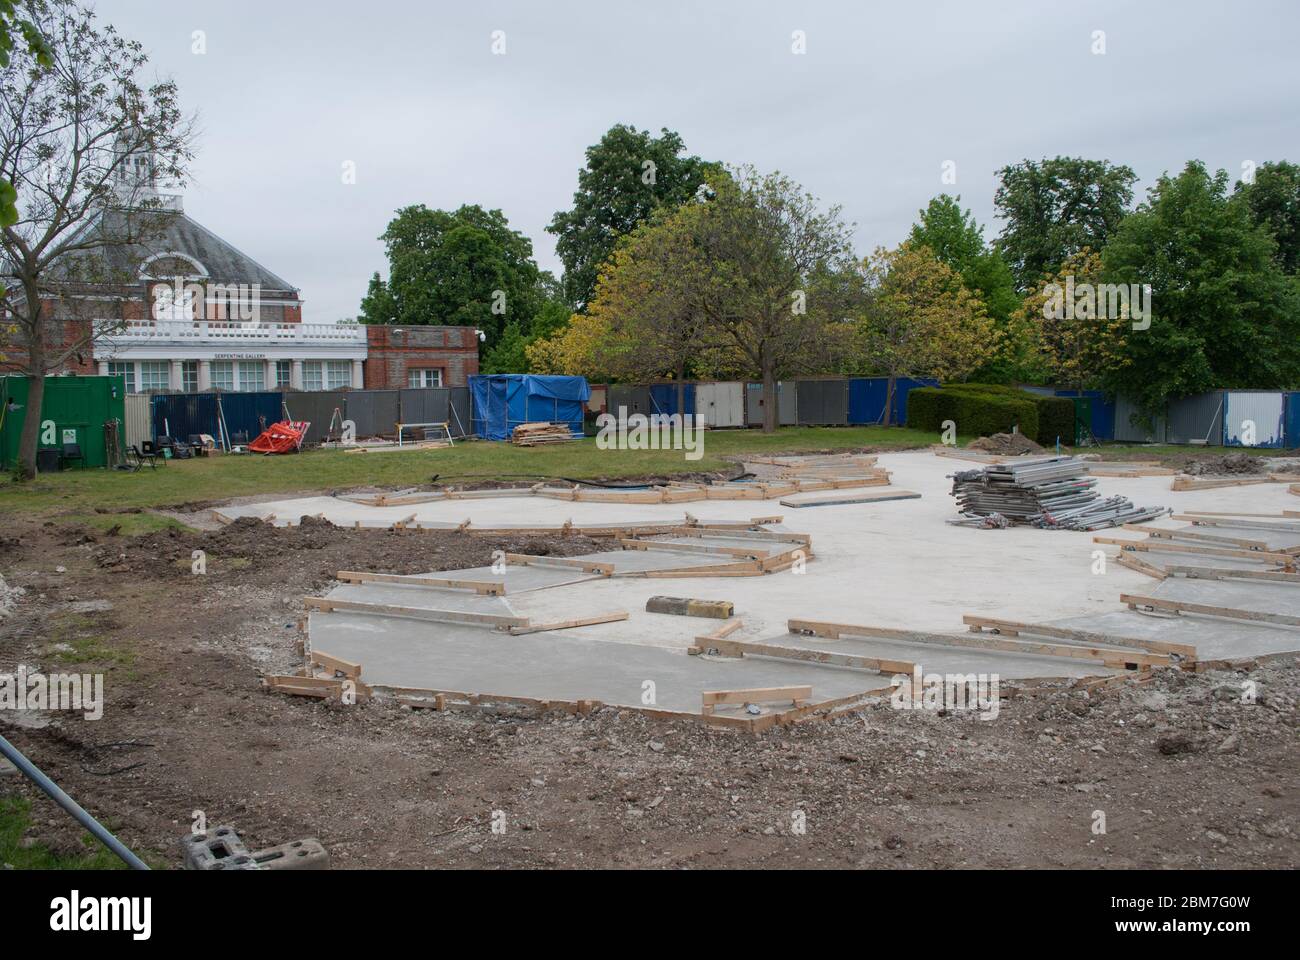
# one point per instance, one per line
(504, 401)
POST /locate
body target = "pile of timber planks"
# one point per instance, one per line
(533, 434)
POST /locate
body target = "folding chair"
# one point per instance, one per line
(72, 451)
(141, 458)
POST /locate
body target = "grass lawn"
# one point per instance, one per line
(15, 817)
(75, 496)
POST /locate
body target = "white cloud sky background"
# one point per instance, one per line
(411, 92)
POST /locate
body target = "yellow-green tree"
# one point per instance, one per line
(918, 320)
(1075, 343)
(573, 350)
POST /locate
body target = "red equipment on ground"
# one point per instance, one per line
(284, 437)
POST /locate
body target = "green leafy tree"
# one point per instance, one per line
(773, 278)
(1274, 202)
(1223, 314)
(628, 175)
(956, 240)
(1077, 348)
(14, 27)
(460, 268)
(1056, 208)
(919, 320)
(510, 355)
(87, 133)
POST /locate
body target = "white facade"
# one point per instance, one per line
(198, 355)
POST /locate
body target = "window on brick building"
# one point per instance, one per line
(252, 376)
(424, 377)
(338, 374)
(124, 370)
(190, 376)
(283, 373)
(223, 375)
(313, 375)
(154, 375)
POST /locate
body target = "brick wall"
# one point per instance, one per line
(394, 351)
(60, 335)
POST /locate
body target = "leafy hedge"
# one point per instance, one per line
(1055, 414)
(976, 412)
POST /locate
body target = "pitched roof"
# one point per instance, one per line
(177, 233)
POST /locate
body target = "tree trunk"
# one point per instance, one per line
(771, 412)
(31, 424)
(889, 401)
(681, 390)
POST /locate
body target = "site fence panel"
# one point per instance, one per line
(1196, 419)
(1254, 418)
(822, 402)
(1146, 429)
(317, 408)
(139, 420)
(663, 399)
(1101, 410)
(721, 404)
(630, 397)
(375, 412)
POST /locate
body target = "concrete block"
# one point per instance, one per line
(685, 607)
(305, 854)
(219, 849)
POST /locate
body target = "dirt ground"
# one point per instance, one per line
(1185, 774)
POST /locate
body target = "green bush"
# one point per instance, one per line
(1055, 414)
(1055, 419)
(976, 412)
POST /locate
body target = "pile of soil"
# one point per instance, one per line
(1234, 464)
(249, 551)
(1006, 444)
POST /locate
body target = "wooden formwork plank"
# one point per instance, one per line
(561, 563)
(337, 664)
(1118, 659)
(571, 624)
(328, 605)
(709, 699)
(1193, 483)
(697, 572)
(739, 648)
(478, 586)
(1208, 610)
(1140, 565)
(1230, 573)
(1279, 525)
(1014, 628)
(1168, 546)
(1161, 533)
(758, 536)
(752, 553)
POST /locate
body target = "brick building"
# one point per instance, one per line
(189, 312)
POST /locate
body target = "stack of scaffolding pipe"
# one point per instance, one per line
(1050, 492)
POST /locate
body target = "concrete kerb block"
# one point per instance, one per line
(686, 607)
(306, 854)
(219, 849)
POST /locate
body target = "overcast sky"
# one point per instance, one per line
(411, 92)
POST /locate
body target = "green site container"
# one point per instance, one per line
(1082, 418)
(74, 409)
